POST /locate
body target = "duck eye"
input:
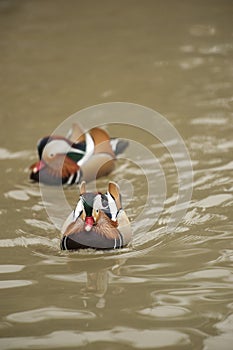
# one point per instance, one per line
(51, 155)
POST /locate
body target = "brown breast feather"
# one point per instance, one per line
(104, 227)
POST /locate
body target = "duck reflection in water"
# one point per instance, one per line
(97, 285)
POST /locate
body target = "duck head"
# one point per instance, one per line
(58, 159)
(91, 206)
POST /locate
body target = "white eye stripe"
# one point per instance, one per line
(78, 209)
(112, 206)
(55, 147)
(60, 147)
(97, 204)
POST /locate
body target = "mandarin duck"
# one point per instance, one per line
(79, 156)
(98, 221)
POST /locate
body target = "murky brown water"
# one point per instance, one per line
(170, 290)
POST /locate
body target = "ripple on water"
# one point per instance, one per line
(164, 311)
(209, 274)
(11, 268)
(49, 313)
(226, 325)
(202, 30)
(193, 217)
(183, 298)
(139, 339)
(29, 241)
(40, 224)
(6, 284)
(22, 194)
(6, 154)
(218, 120)
(81, 277)
(223, 340)
(14, 284)
(213, 200)
(18, 195)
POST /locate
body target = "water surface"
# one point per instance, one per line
(171, 291)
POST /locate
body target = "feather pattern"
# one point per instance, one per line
(79, 156)
(108, 224)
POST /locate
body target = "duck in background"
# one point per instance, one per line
(97, 222)
(79, 156)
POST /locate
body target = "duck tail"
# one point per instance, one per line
(118, 145)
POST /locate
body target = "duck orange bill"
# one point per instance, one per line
(37, 166)
(89, 222)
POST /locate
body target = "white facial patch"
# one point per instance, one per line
(55, 147)
(78, 209)
(112, 206)
(97, 204)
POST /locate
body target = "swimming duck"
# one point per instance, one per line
(97, 222)
(79, 156)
